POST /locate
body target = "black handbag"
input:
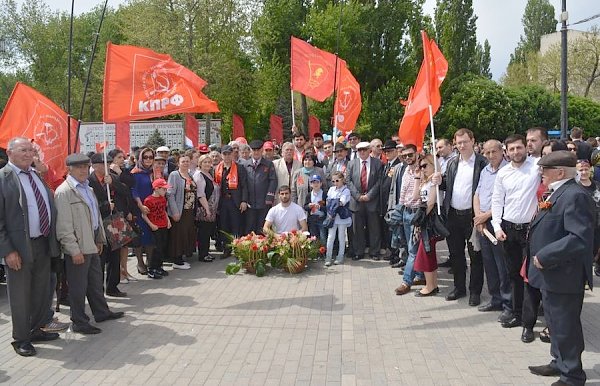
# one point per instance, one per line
(436, 226)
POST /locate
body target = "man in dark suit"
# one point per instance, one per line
(584, 149)
(560, 264)
(391, 154)
(262, 184)
(364, 180)
(27, 244)
(460, 182)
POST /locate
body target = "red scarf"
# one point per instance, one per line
(232, 177)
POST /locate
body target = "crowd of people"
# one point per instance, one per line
(525, 209)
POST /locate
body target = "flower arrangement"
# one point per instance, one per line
(544, 205)
(292, 251)
(251, 251)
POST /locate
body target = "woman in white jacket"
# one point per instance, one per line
(340, 191)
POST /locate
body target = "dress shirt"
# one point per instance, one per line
(444, 162)
(33, 215)
(514, 197)
(86, 192)
(368, 160)
(557, 184)
(485, 188)
(407, 189)
(462, 192)
(353, 154)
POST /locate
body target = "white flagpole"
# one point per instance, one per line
(435, 167)
(293, 111)
(105, 162)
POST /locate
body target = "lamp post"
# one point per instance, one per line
(564, 117)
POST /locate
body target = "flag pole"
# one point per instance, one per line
(293, 111)
(335, 72)
(106, 161)
(69, 79)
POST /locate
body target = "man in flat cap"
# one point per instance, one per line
(262, 184)
(27, 244)
(560, 263)
(81, 235)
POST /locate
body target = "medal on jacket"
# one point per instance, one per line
(300, 179)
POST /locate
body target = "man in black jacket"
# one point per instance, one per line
(460, 182)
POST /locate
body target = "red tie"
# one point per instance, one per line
(363, 177)
(41, 204)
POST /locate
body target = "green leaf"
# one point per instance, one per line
(233, 268)
(260, 269)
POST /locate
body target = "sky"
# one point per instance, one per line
(499, 21)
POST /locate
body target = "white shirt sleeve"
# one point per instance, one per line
(498, 202)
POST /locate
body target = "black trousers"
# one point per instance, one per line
(363, 220)
(159, 254)
(514, 252)
(111, 268)
(255, 219)
(229, 218)
(460, 224)
(205, 230)
(531, 305)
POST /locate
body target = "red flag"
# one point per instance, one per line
(276, 131)
(348, 101)
(238, 127)
(191, 131)
(100, 146)
(31, 115)
(314, 126)
(426, 92)
(140, 84)
(312, 70)
(122, 136)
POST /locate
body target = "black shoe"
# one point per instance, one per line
(206, 259)
(545, 370)
(356, 258)
(597, 269)
(162, 272)
(545, 335)
(397, 265)
(86, 329)
(559, 383)
(454, 295)
(111, 316)
(376, 258)
(515, 321)
(434, 292)
(450, 271)
(154, 274)
(116, 294)
(394, 260)
(474, 300)
(219, 247)
(527, 335)
(24, 349)
(402, 263)
(505, 316)
(445, 264)
(489, 307)
(226, 254)
(42, 336)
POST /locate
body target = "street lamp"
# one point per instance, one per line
(564, 117)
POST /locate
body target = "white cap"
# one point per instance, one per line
(163, 148)
(363, 145)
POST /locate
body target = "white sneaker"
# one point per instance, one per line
(184, 265)
(124, 281)
(337, 262)
(328, 263)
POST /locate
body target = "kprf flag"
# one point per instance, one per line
(122, 136)
(425, 92)
(238, 127)
(276, 128)
(31, 115)
(312, 70)
(191, 131)
(314, 126)
(348, 101)
(140, 84)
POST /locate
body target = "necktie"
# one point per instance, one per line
(363, 177)
(41, 204)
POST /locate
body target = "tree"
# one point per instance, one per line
(155, 140)
(584, 113)
(483, 59)
(534, 107)
(538, 19)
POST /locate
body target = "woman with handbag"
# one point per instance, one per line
(426, 260)
(208, 192)
(341, 220)
(143, 176)
(181, 198)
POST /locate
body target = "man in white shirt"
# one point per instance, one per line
(287, 215)
(353, 140)
(514, 204)
(444, 152)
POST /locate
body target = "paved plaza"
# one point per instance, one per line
(338, 326)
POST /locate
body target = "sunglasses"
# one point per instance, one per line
(410, 155)
(148, 157)
(337, 180)
(423, 166)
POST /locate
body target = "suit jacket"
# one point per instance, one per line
(395, 186)
(332, 168)
(374, 183)
(449, 177)
(262, 182)
(283, 176)
(562, 238)
(74, 229)
(387, 175)
(14, 219)
(118, 190)
(240, 194)
(584, 150)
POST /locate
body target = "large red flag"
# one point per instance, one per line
(314, 126)
(140, 84)
(276, 128)
(238, 127)
(191, 131)
(312, 70)
(426, 92)
(122, 136)
(348, 101)
(31, 115)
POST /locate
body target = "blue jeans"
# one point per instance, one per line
(413, 247)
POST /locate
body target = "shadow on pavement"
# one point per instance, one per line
(320, 303)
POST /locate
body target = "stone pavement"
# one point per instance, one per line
(338, 326)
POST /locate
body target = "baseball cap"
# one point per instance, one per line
(203, 148)
(268, 145)
(160, 183)
(315, 177)
(163, 148)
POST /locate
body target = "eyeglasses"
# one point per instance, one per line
(423, 166)
(409, 155)
(148, 157)
(336, 180)
(363, 149)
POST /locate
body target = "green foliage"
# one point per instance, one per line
(538, 19)
(534, 107)
(155, 140)
(584, 113)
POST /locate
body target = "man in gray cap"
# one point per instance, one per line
(81, 235)
(559, 258)
(27, 244)
(262, 184)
